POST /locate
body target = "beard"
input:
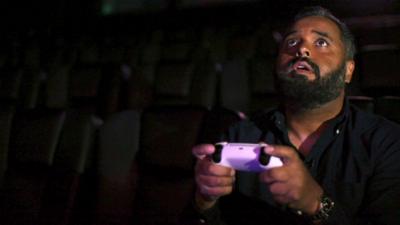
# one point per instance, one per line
(299, 93)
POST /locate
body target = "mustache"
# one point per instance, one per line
(313, 65)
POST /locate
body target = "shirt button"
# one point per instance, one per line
(337, 131)
(202, 221)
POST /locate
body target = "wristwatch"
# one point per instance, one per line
(324, 210)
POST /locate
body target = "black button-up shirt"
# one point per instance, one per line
(356, 161)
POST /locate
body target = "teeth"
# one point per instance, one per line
(302, 67)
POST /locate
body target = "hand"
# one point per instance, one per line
(213, 181)
(292, 184)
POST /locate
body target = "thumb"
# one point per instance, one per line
(203, 150)
(286, 153)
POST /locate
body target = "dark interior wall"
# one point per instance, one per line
(84, 15)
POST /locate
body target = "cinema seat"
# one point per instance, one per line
(363, 102)
(34, 139)
(6, 118)
(389, 107)
(261, 84)
(117, 171)
(234, 85)
(216, 123)
(69, 194)
(10, 84)
(379, 70)
(165, 161)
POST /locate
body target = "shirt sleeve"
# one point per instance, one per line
(194, 216)
(382, 202)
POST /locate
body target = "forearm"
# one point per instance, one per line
(203, 203)
(194, 214)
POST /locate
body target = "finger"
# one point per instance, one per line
(202, 150)
(278, 174)
(214, 192)
(286, 153)
(279, 189)
(206, 167)
(215, 181)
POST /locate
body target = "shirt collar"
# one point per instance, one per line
(278, 119)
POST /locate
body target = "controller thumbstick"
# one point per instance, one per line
(216, 156)
(264, 157)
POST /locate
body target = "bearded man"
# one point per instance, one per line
(340, 164)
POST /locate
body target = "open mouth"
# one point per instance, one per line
(302, 67)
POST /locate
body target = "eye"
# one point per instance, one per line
(321, 42)
(292, 42)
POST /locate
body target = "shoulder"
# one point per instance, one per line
(366, 122)
(379, 135)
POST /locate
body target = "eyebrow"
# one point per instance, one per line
(323, 34)
(320, 33)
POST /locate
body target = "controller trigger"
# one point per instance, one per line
(216, 156)
(264, 157)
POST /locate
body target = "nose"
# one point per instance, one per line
(302, 51)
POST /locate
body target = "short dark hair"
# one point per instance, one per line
(346, 35)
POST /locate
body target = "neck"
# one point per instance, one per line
(306, 126)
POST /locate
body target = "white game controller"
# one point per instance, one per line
(244, 157)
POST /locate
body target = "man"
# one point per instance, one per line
(340, 165)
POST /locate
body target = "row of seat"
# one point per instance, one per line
(104, 136)
(159, 44)
(43, 154)
(67, 167)
(135, 167)
(141, 47)
(386, 106)
(243, 85)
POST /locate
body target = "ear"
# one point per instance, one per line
(350, 65)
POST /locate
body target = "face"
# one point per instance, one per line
(311, 66)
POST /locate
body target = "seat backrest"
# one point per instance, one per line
(168, 134)
(34, 139)
(216, 123)
(69, 187)
(84, 86)
(165, 162)
(234, 85)
(56, 93)
(262, 87)
(6, 118)
(203, 89)
(173, 82)
(10, 84)
(378, 79)
(389, 107)
(117, 173)
(363, 102)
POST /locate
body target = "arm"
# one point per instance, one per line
(382, 202)
(212, 182)
(292, 185)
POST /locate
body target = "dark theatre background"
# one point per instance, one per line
(101, 100)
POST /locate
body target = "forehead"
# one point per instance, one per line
(316, 24)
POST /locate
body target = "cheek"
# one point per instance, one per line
(327, 64)
(282, 61)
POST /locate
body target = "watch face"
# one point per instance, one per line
(326, 207)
